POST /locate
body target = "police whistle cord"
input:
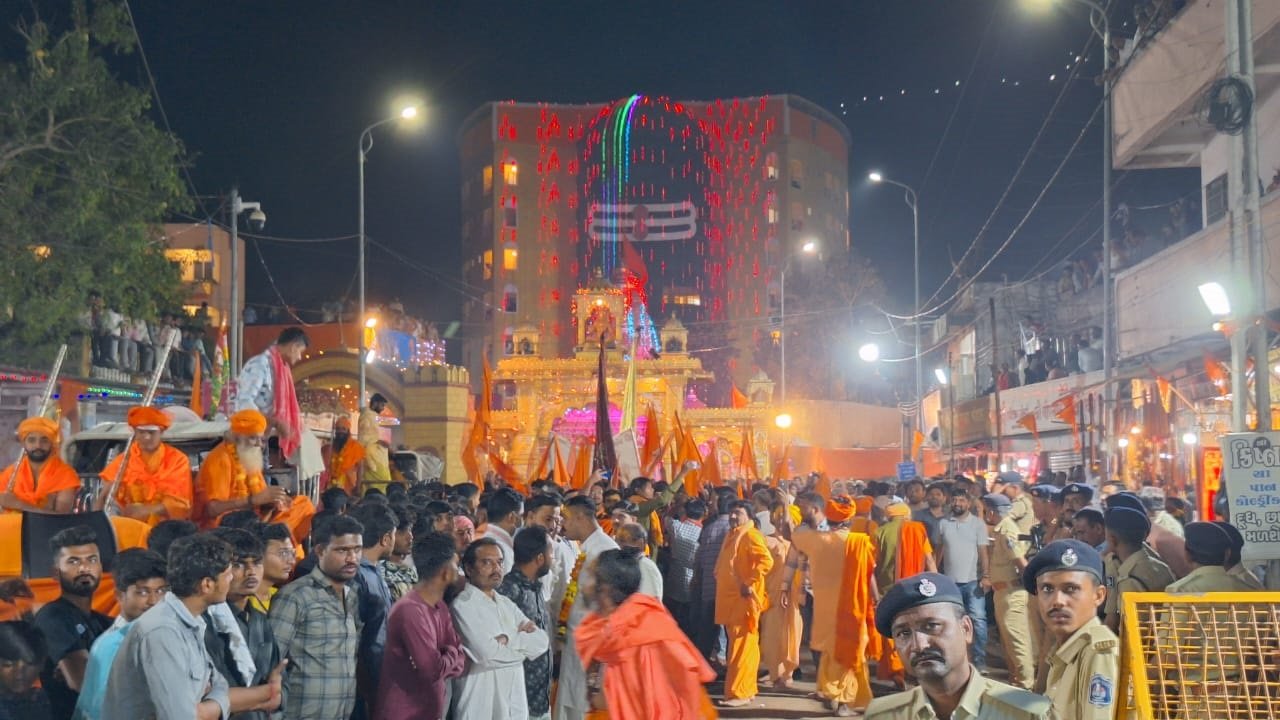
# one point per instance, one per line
(50, 383)
(107, 500)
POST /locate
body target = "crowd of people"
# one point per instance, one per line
(431, 601)
(131, 344)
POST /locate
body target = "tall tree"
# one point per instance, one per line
(86, 178)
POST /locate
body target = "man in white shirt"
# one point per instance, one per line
(580, 526)
(632, 536)
(505, 511)
(496, 637)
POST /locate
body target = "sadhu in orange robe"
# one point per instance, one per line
(222, 478)
(744, 560)
(55, 476)
(651, 670)
(344, 463)
(780, 627)
(159, 478)
(903, 545)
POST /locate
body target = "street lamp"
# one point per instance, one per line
(408, 111)
(870, 352)
(941, 375)
(783, 421)
(1215, 298)
(912, 200)
(257, 220)
(808, 248)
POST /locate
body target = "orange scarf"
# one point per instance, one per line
(912, 539)
(55, 476)
(651, 670)
(161, 477)
(854, 622)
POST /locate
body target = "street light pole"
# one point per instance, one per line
(235, 344)
(809, 248)
(913, 202)
(366, 144)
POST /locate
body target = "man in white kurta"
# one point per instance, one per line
(496, 637)
(580, 526)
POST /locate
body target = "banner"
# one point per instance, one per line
(624, 444)
(1251, 471)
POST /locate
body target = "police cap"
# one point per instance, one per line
(1078, 489)
(923, 589)
(1063, 555)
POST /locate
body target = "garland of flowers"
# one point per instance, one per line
(570, 594)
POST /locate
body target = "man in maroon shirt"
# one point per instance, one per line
(423, 650)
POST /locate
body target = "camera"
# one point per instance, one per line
(257, 220)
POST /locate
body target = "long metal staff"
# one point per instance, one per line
(107, 501)
(44, 404)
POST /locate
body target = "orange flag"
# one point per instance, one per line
(1165, 388)
(652, 437)
(739, 400)
(541, 472)
(689, 451)
(562, 477)
(711, 468)
(1216, 373)
(582, 468)
(747, 459)
(197, 388)
(1067, 414)
(823, 486)
(783, 468)
(1028, 421)
(917, 440)
(478, 438)
(508, 474)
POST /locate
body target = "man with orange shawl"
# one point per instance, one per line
(902, 550)
(346, 457)
(646, 667)
(780, 627)
(42, 482)
(231, 479)
(741, 568)
(862, 521)
(156, 484)
(842, 573)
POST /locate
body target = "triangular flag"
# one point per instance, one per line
(1066, 407)
(629, 394)
(739, 400)
(1028, 421)
(562, 476)
(1165, 389)
(747, 458)
(478, 438)
(508, 474)
(652, 438)
(782, 470)
(604, 455)
(711, 467)
(689, 452)
(582, 468)
(541, 472)
(1217, 373)
(917, 441)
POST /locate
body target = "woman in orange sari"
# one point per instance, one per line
(647, 668)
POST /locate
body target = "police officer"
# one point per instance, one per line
(1067, 579)
(1137, 567)
(925, 616)
(1008, 558)
(1022, 511)
(1045, 503)
(1235, 568)
(1208, 547)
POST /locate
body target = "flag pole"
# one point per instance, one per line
(45, 397)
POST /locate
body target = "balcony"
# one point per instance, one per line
(1156, 95)
(1157, 306)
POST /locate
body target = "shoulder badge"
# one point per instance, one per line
(1101, 691)
(1105, 645)
(927, 588)
(1069, 558)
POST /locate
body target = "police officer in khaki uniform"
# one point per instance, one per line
(1011, 599)
(1235, 566)
(1022, 512)
(1137, 567)
(1067, 579)
(925, 616)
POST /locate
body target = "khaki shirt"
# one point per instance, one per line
(1082, 674)
(1023, 514)
(1208, 578)
(1246, 576)
(1005, 547)
(1142, 571)
(1197, 644)
(377, 461)
(983, 699)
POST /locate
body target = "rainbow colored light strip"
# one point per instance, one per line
(615, 157)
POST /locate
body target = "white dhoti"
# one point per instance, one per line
(571, 692)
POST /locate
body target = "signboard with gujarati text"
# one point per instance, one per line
(1251, 471)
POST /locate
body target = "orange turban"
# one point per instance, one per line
(863, 504)
(839, 509)
(144, 416)
(898, 510)
(248, 422)
(38, 426)
(343, 422)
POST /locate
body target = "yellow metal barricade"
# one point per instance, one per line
(1213, 656)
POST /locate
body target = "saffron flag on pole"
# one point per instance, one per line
(629, 393)
(605, 457)
(783, 469)
(478, 438)
(652, 438)
(739, 399)
(1028, 421)
(747, 457)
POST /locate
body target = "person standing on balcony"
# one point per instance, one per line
(266, 385)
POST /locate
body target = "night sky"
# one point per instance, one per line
(273, 96)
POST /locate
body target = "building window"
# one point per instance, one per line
(797, 174)
(511, 173)
(510, 257)
(510, 218)
(486, 178)
(771, 208)
(510, 298)
(1215, 199)
(508, 345)
(488, 264)
(682, 296)
(194, 265)
(771, 166)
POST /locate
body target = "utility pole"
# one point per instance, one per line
(991, 307)
(233, 344)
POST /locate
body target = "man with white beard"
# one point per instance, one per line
(231, 479)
